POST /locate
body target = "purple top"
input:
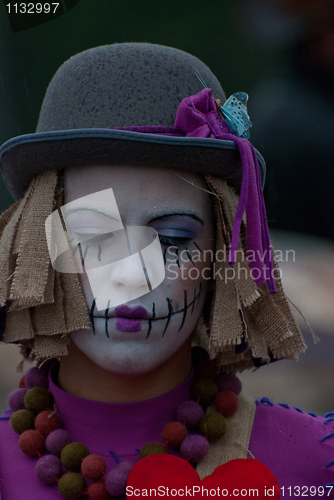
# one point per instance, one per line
(291, 443)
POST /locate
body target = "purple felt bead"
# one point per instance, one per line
(195, 447)
(36, 378)
(16, 399)
(190, 413)
(57, 440)
(127, 465)
(227, 382)
(116, 481)
(48, 468)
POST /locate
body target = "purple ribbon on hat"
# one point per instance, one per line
(197, 116)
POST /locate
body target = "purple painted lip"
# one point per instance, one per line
(129, 318)
(124, 311)
(128, 325)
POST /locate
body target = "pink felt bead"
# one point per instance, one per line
(127, 465)
(16, 399)
(93, 467)
(195, 447)
(57, 440)
(36, 378)
(97, 490)
(227, 382)
(46, 422)
(48, 469)
(31, 442)
(116, 481)
(190, 413)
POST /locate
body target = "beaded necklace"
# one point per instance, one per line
(35, 419)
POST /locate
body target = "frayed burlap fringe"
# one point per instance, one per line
(269, 326)
(9, 222)
(43, 307)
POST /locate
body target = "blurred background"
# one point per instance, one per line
(281, 52)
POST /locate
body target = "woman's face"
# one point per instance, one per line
(139, 334)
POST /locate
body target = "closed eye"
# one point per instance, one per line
(172, 241)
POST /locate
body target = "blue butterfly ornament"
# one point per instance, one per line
(235, 112)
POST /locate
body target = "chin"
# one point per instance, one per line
(127, 358)
(123, 358)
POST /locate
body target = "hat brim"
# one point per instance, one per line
(25, 156)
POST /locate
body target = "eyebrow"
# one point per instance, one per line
(191, 214)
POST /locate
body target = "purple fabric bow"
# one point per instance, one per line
(197, 117)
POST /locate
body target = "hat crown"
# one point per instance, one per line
(122, 85)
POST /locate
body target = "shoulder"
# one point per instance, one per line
(298, 447)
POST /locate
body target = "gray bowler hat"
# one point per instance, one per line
(114, 86)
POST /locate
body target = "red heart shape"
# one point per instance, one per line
(170, 476)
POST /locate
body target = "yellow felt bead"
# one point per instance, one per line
(152, 449)
(213, 426)
(71, 486)
(72, 456)
(204, 391)
(38, 399)
(22, 420)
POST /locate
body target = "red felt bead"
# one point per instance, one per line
(46, 422)
(97, 490)
(31, 442)
(174, 433)
(226, 403)
(22, 383)
(93, 467)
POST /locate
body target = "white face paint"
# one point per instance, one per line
(87, 236)
(138, 336)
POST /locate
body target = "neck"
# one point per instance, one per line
(81, 377)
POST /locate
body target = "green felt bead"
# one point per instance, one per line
(22, 420)
(71, 486)
(152, 449)
(213, 426)
(73, 454)
(38, 399)
(204, 391)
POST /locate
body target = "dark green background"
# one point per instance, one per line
(29, 58)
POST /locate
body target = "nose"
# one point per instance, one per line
(128, 274)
